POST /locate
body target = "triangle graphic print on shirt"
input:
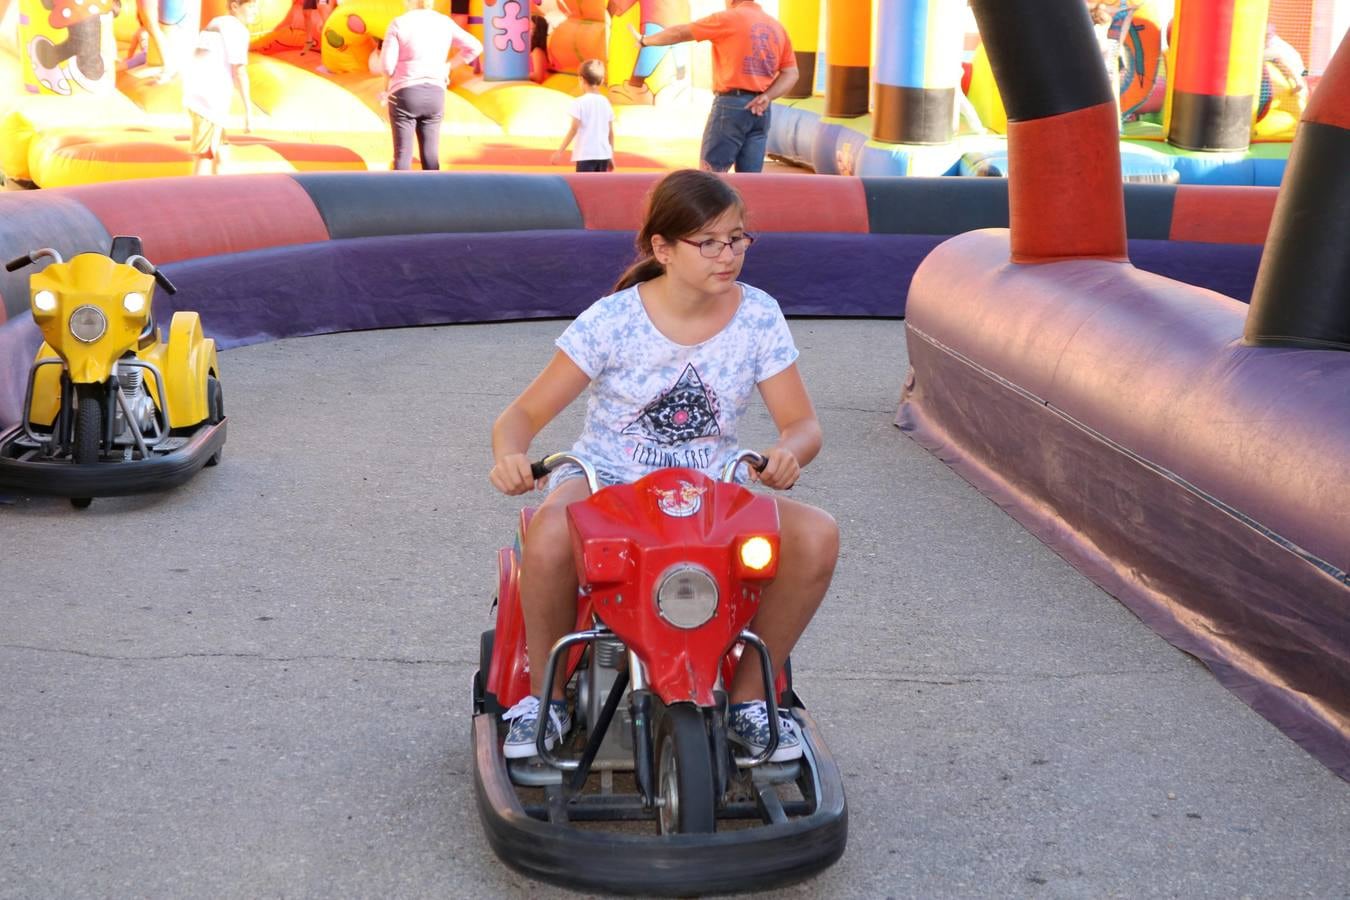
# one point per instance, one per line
(685, 412)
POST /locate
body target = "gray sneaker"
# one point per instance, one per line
(524, 719)
(748, 725)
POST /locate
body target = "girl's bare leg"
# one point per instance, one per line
(548, 581)
(809, 550)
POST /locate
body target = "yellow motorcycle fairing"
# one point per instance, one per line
(91, 279)
(186, 359)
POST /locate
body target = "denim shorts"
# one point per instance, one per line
(568, 472)
(734, 136)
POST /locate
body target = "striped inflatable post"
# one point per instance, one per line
(1065, 196)
(917, 64)
(1302, 292)
(801, 18)
(848, 44)
(1214, 73)
(506, 41)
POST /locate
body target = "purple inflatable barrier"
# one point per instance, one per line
(1117, 415)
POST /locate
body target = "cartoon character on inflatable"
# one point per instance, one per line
(582, 35)
(655, 15)
(82, 57)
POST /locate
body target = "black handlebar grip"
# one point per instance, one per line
(538, 470)
(163, 281)
(15, 265)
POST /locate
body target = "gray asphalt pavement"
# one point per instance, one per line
(258, 685)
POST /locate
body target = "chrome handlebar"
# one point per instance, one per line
(757, 461)
(33, 256)
(543, 467)
(552, 461)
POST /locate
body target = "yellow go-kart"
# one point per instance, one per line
(111, 409)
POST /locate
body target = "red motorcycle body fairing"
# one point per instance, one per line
(508, 677)
(626, 538)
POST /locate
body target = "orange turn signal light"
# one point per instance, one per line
(757, 553)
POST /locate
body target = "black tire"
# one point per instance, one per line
(215, 412)
(788, 698)
(88, 425)
(684, 772)
(483, 700)
(88, 432)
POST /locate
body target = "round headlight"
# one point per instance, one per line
(757, 553)
(134, 302)
(44, 301)
(88, 323)
(687, 596)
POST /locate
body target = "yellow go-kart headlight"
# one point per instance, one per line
(44, 301)
(134, 303)
(757, 553)
(88, 323)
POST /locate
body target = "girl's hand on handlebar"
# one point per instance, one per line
(511, 474)
(781, 471)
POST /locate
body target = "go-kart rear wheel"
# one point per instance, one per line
(684, 772)
(88, 432)
(215, 411)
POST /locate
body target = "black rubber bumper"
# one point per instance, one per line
(673, 866)
(108, 479)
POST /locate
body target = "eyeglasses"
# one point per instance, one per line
(712, 247)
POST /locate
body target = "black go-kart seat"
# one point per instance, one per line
(124, 247)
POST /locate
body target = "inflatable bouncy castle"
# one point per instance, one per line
(96, 94)
(910, 91)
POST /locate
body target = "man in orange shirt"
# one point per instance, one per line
(753, 65)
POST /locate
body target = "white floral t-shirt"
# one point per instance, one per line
(653, 403)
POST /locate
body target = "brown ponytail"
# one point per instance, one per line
(679, 205)
(645, 269)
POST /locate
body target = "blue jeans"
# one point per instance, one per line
(734, 136)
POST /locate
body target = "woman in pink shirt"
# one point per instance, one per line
(416, 58)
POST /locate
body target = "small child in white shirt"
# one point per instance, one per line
(592, 123)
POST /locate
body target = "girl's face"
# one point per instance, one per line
(686, 263)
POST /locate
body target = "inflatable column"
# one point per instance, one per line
(1302, 292)
(801, 18)
(1214, 73)
(848, 44)
(1060, 203)
(506, 40)
(918, 70)
(67, 47)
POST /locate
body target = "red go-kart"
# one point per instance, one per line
(671, 571)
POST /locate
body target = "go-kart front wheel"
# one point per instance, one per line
(88, 433)
(483, 699)
(684, 772)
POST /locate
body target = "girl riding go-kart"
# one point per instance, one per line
(647, 505)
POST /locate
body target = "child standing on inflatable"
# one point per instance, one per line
(219, 60)
(671, 359)
(592, 123)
